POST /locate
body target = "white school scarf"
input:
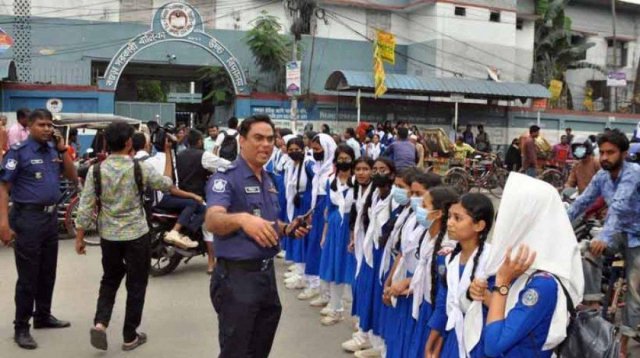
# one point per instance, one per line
(532, 213)
(292, 186)
(409, 242)
(457, 294)
(421, 280)
(379, 214)
(342, 197)
(358, 230)
(374, 150)
(403, 218)
(322, 170)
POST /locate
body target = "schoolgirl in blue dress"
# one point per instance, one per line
(535, 258)
(324, 148)
(432, 214)
(336, 267)
(362, 187)
(469, 224)
(298, 174)
(376, 212)
(396, 318)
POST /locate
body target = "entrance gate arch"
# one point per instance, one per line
(174, 22)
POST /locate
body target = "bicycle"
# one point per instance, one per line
(483, 174)
(556, 176)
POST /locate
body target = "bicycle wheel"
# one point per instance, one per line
(457, 179)
(500, 176)
(553, 177)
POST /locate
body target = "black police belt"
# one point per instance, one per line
(49, 209)
(247, 265)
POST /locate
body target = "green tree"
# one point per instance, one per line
(270, 49)
(554, 53)
(222, 91)
(150, 91)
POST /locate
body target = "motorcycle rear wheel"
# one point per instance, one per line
(163, 260)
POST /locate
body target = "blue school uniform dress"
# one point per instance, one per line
(296, 247)
(334, 261)
(524, 331)
(439, 317)
(401, 333)
(273, 168)
(313, 250)
(358, 236)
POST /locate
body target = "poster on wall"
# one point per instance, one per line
(616, 79)
(5, 41)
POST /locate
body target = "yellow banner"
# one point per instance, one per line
(386, 45)
(555, 87)
(378, 74)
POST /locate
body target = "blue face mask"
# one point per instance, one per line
(422, 217)
(399, 195)
(580, 152)
(416, 201)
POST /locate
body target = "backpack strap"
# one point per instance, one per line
(137, 173)
(97, 184)
(570, 306)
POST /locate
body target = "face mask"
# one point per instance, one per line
(380, 180)
(422, 219)
(400, 195)
(296, 156)
(416, 201)
(344, 166)
(318, 156)
(580, 152)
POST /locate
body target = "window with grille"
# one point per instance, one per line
(460, 11)
(494, 16)
(620, 52)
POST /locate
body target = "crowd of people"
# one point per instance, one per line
(425, 271)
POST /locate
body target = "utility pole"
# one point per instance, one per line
(615, 53)
(294, 98)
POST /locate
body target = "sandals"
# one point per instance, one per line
(142, 339)
(98, 338)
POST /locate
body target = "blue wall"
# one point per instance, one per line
(73, 101)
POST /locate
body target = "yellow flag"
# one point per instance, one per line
(555, 87)
(386, 46)
(378, 75)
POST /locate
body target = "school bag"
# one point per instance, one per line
(229, 147)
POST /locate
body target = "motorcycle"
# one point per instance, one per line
(166, 257)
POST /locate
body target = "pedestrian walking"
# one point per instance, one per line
(115, 188)
(31, 173)
(243, 215)
(19, 131)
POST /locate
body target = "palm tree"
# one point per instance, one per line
(269, 47)
(554, 53)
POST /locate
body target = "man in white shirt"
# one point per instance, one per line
(141, 146)
(19, 132)
(350, 138)
(211, 141)
(222, 149)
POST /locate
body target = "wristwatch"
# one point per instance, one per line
(502, 290)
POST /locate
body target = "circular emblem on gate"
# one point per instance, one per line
(178, 20)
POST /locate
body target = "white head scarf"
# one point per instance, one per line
(532, 213)
(323, 169)
(291, 174)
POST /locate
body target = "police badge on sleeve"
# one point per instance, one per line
(11, 164)
(219, 186)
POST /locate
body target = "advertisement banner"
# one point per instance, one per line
(617, 79)
(294, 81)
(386, 44)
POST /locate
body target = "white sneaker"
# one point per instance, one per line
(292, 279)
(320, 301)
(172, 237)
(188, 243)
(356, 344)
(368, 353)
(290, 274)
(299, 284)
(334, 317)
(292, 267)
(325, 311)
(280, 255)
(308, 294)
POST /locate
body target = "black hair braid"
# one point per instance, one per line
(482, 239)
(334, 183)
(434, 256)
(366, 220)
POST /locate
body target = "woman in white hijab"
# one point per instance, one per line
(324, 148)
(528, 313)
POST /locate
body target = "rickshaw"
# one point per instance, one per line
(89, 127)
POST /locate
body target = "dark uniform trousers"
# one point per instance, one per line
(36, 253)
(248, 309)
(120, 258)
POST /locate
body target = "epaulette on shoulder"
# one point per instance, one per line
(19, 145)
(227, 169)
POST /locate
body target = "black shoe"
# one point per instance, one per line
(50, 322)
(24, 340)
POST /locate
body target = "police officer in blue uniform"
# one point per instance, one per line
(243, 215)
(31, 173)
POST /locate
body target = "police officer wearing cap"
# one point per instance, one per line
(31, 173)
(243, 215)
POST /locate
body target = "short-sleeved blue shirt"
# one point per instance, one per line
(33, 169)
(238, 190)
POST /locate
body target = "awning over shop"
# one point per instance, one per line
(8, 70)
(441, 87)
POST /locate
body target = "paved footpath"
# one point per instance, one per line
(178, 317)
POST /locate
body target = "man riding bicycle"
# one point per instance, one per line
(619, 183)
